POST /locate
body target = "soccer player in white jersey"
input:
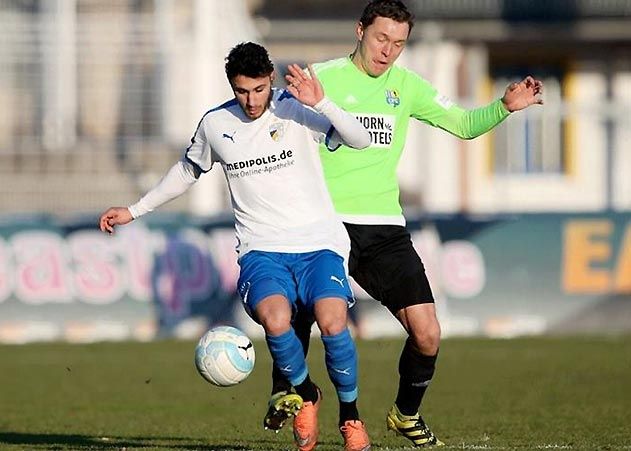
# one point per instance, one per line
(291, 245)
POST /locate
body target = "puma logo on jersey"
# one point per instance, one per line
(230, 137)
(340, 281)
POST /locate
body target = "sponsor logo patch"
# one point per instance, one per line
(380, 127)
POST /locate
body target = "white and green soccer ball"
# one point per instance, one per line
(224, 356)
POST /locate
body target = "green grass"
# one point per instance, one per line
(543, 393)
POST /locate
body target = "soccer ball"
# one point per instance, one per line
(224, 356)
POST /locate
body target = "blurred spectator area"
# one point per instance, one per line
(519, 10)
(82, 91)
(100, 97)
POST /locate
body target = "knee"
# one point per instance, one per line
(275, 324)
(427, 339)
(331, 315)
(332, 326)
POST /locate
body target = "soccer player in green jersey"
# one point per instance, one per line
(365, 192)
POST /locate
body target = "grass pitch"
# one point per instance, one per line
(536, 393)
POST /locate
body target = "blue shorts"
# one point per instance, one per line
(302, 278)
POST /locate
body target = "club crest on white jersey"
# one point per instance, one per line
(277, 130)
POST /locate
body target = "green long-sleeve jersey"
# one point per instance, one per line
(363, 183)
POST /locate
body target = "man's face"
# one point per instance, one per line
(253, 94)
(380, 44)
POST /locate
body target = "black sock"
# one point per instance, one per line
(279, 381)
(415, 371)
(307, 390)
(348, 411)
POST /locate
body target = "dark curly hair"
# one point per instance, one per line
(248, 59)
(391, 9)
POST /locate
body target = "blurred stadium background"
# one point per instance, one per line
(524, 231)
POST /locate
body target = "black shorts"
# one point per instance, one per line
(384, 262)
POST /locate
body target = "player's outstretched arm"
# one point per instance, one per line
(469, 124)
(523, 94)
(114, 216)
(177, 180)
(306, 88)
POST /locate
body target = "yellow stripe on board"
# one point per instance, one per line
(486, 96)
(569, 90)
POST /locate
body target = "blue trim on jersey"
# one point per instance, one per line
(327, 140)
(193, 142)
(195, 165)
(285, 95)
(223, 106)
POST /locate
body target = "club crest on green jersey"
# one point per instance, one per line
(392, 97)
(276, 131)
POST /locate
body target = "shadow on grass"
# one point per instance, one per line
(78, 442)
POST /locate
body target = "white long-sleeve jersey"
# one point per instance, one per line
(272, 166)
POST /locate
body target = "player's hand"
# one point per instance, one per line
(523, 94)
(304, 87)
(114, 216)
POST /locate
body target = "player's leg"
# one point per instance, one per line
(284, 403)
(269, 292)
(274, 314)
(302, 322)
(416, 369)
(287, 354)
(325, 288)
(418, 358)
(390, 270)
